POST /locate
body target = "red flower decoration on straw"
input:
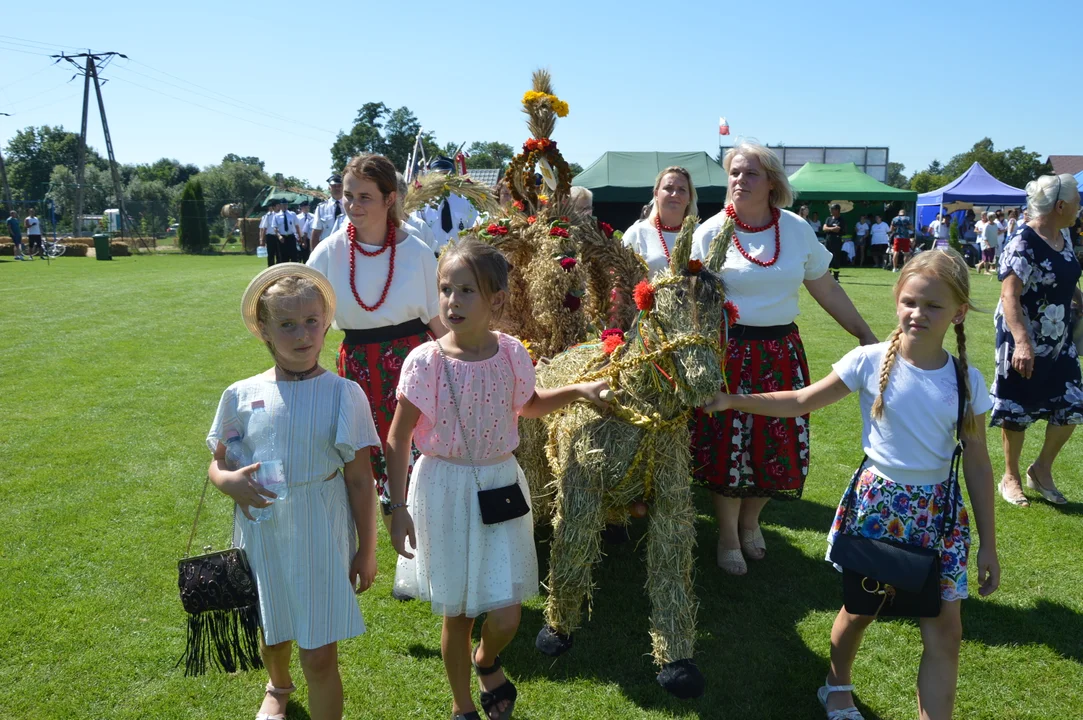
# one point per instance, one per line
(568, 263)
(495, 229)
(606, 228)
(644, 295)
(611, 343)
(532, 219)
(613, 332)
(732, 316)
(558, 232)
(518, 205)
(695, 266)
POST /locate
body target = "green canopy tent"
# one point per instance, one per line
(622, 182)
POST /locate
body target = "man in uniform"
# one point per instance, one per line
(304, 229)
(329, 215)
(450, 217)
(269, 234)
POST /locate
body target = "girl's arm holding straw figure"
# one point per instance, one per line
(361, 491)
(978, 475)
(545, 401)
(784, 404)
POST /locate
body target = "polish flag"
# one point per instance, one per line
(723, 126)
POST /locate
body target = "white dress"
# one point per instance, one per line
(301, 554)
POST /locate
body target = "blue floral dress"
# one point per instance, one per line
(1054, 391)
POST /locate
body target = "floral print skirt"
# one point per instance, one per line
(742, 455)
(376, 367)
(911, 514)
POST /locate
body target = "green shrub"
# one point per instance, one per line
(193, 235)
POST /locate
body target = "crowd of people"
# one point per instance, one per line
(425, 405)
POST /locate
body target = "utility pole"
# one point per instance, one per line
(95, 61)
(4, 178)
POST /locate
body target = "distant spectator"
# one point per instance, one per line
(940, 229)
(879, 242)
(16, 233)
(833, 229)
(861, 239)
(987, 242)
(1002, 232)
(1012, 224)
(304, 227)
(816, 226)
(803, 212)
(582, 200)
(645, 212)
(901, 243)
(33, 231)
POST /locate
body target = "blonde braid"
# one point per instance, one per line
(885, 371)
(969, 421)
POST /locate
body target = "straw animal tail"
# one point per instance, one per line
(720, 245)
(885, 371)
(969, 421)
(682, 248)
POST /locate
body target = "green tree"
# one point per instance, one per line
(378, 129)
(926, 181)
(150, 202)
(98, 192)
(232, 182)
(490, 154)
(576, 168)
(896, 175)
(193, 235)
(247, 160)
(1015, 167)
(167, 171)
(32, 154)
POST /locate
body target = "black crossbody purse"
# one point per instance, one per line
(891, 579)
(497, 504)
(218, 591)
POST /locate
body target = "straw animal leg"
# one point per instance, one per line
(576, 547)
(671, 539)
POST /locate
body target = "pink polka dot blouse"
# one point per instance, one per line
(491, 394)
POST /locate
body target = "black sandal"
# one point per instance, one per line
(490, 699)
(472, 715)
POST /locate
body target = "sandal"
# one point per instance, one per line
(752, 543)
(491, 698)
(1051, 494)
(472, 715)
(850, 713)
(1019, 500)
(732, 561)
(272, 690)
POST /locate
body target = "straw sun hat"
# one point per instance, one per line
(260, 283)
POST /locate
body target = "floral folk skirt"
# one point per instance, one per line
(742, 455)
(376, 367)
(911, 514)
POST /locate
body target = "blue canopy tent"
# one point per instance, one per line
(975, 186)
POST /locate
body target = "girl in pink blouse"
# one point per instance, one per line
(459, 399)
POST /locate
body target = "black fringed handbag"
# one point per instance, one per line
(219, 594)
(891, 579)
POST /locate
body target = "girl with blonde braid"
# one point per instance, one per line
(904, 491)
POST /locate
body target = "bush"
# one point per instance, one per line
(193, 235)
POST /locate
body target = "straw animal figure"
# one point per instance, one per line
(596, 465)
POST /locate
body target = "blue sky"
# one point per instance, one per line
(927, 79)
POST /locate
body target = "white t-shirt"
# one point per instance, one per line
(33, 226)
(413, 292)
(988, 237)
(643, 238)
(879, 233)
(767, 296)
(861, 229)
(913, 442)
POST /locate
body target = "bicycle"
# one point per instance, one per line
(49, 248)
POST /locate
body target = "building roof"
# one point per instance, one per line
(1070, 164)
(485, 176)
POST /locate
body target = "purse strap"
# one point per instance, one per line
(195, 521)
(458, 414)
(956, 458)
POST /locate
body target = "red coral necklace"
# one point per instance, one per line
(660, 227)
(775, 214)
(389, 243)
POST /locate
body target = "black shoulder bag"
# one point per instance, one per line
(219, 594)
(497, 504)
(890, 579)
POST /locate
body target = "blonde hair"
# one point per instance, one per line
(290, 287)
(782, 193)
(949, 267)
(693, 208)
(1043, 193)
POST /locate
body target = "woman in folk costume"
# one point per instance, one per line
(674, 200)
(747, 460)
(386, 281)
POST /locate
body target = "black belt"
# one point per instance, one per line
(766, 332)
(383, 334)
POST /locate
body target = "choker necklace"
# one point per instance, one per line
(294, 375)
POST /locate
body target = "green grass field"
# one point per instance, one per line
(111, 374)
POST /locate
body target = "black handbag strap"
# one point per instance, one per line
(954, 496)
(458, 413)
(195, 521)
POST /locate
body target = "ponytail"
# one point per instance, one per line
(970, 423)
(885, 371)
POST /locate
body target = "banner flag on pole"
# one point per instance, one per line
(723, 126)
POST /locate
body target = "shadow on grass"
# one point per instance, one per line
(296, 711)
(748, 646)
(1047, 623)
(424, 652)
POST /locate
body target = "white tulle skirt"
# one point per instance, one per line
(461, 565)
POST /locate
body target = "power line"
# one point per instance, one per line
(240, 104)
(27, 41)
(38, 94)
(25, 52)
(26, 77)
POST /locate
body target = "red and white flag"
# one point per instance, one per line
(723, 126)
